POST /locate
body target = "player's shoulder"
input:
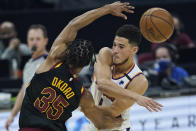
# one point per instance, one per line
(105, 50)
(136, 67)
(105, 55)
(139, 80)
(141, 77)
(134, 71)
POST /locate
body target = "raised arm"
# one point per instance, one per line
(110, 88)
(101, 118)
(69, 33)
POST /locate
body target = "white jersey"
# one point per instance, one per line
(30, 68)
(123, 81)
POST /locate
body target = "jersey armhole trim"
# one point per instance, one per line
(126, 86)
(56, 65)
(82, 90)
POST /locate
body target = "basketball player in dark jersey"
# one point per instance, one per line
(55, 91)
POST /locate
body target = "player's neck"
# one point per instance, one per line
(38, 54)
(119, 69)
(75, 71)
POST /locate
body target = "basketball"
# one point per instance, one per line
(156, 25)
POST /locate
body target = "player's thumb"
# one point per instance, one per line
(123, 16)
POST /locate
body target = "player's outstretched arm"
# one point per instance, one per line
(110, 88)
(139, 86)
(120, 105)
(101, 118)
(16, 108)
(69, 33)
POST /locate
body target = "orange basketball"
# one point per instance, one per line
(156, 25)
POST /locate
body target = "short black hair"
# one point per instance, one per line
(79, 53)
(130, 32)
(41, 27)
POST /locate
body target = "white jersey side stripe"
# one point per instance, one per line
(125, 87)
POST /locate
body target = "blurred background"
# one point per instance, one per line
(176, 90)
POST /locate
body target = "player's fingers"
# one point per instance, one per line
(122, 15)
(7, 125)
(158, 108)
(151, 105)
(119, 3)
(128, 10)
(126, 3)
(148, 108)
(150, 102)
(118, 122)
(158, 104)
(130, 7)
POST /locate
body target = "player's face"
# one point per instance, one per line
(162, 53)
(122, 50)
(35, 38)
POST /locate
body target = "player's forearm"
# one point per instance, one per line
(18, 103)
(110, 110)
(112, 89)
(89, 109)
(92, 116)
(102, 118)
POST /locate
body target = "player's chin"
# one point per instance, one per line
(116, 62)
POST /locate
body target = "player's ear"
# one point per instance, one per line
(135, 49)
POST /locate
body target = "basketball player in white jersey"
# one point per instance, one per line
(115, 69)
(37, 40)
